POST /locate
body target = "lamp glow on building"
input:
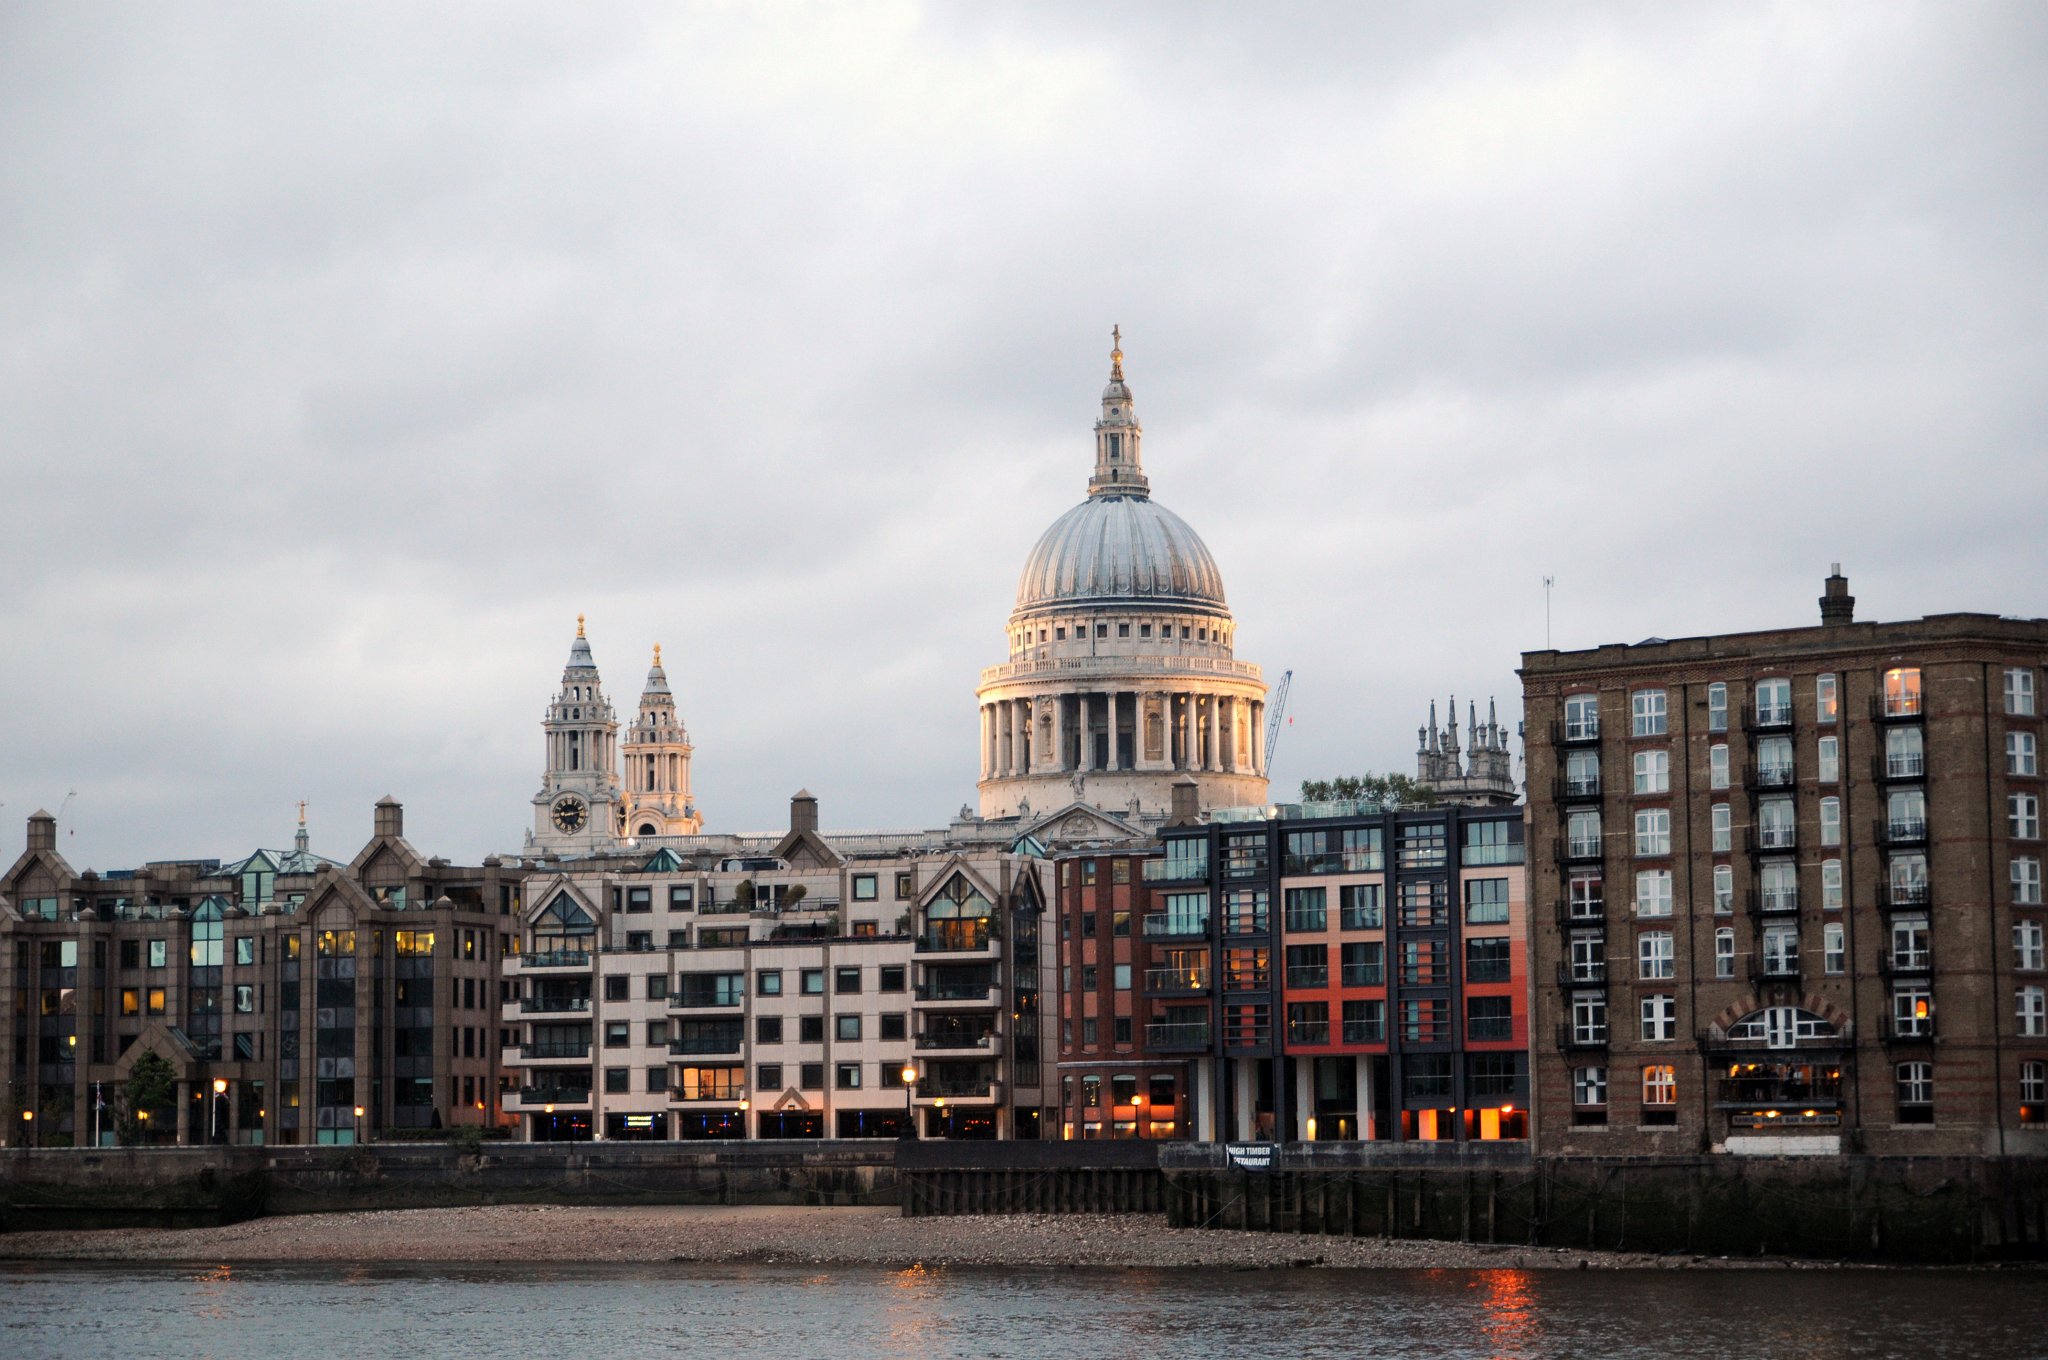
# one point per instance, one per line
(909, 1092)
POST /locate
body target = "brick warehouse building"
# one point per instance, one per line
(1312, 972)
(305, 987)
(1786, 889)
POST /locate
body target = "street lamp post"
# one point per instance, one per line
(1138, 1104)
(940, 1105)
(28, 1128)
(220, 1088)
(909, 1096)
(359, 1124)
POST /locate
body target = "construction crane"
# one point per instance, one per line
(1279, 712)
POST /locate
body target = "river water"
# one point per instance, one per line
(342, 1313)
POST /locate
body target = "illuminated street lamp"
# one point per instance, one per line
(1138, 1104)
(220, 1088)
(28, 1128)
(940, 1104)
(909, 1092)
(359, 1123)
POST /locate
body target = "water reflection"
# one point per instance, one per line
(926, 1314)
(1509, 1324)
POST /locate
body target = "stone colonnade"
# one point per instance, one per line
(1122, 729)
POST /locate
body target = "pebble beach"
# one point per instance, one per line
(776, 1234)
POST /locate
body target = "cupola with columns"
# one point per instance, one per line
(1121, 676)
(657, 751)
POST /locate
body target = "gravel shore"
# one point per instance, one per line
(776, 1234)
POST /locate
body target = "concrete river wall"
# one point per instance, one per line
(1932, 1209)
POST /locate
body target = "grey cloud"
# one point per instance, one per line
(345, 357)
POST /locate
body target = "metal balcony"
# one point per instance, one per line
(1569, 1037)
(1582, 974)
(1911, 963)
(1177, 1037)
(1915, 1030)
(554, 1005)
(1176, 981)
(554, 959)
(1904, 831)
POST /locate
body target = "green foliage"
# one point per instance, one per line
(152, 1082)
(1386, 789)
(797, 893)
(743, 892)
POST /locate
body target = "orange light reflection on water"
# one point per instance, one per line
(1510, 1325)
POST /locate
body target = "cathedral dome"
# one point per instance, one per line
(1125, 549)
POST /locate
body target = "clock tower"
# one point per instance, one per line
(577, 810)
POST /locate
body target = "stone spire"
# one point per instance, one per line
(1118, 468)
(657, 762)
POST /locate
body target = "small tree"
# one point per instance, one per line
(1391, 790)
(743, 892)
(152, 1085)
(797, 893)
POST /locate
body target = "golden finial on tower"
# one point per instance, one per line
(1116, 354)
(657, 653)
(579, 625)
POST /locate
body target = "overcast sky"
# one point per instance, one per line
(348, 353)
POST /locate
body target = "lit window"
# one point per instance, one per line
(1902, 692)
(1647, 713)
(1826, 699)
(1660, 1084)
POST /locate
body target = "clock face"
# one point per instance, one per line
(569, 814)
